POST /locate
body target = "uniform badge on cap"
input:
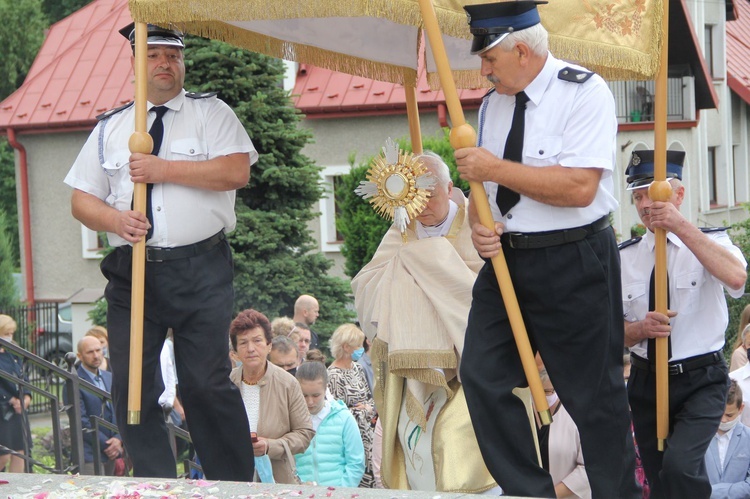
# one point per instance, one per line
(636, 160)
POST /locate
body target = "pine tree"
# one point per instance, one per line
(275, 256)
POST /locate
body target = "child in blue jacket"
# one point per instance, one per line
(335, 455)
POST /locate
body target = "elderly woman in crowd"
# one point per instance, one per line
(347, 382)
(12, 405)
(276, 409)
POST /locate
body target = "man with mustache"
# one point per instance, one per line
(701, 264)
(546, 154)
(201, 155)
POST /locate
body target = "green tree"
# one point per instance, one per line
(740, 233)
(360, 225)
(21, 36)
(22, 32)
(275, 256)
(8, 295)
(56, 10)
(8, 205)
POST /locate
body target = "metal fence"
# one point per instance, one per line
(56, 390)
(634, 100)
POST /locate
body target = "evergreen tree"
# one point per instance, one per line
(275, 256)
(358, 222)
(8, 296)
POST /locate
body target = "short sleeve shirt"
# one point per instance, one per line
(568, 124)
(194, 130)
(695, 294)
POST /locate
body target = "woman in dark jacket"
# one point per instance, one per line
(11, 413)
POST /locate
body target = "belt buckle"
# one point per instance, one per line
(154, 258)
(511, 236)
(675, 369)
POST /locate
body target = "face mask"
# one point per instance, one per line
(357, 354)
(551, 399)
(105, 351)
(729, 424)
(263, 469)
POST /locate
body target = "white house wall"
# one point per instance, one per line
(59, 268)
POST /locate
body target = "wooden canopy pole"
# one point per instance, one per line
(412, 111)
(463, 135)
(140, 141)
(661, 190)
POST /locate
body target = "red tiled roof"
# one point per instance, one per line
(319, 91)
(738, 51)
(83, 68)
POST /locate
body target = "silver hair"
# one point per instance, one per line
(438, 167)
(535, 37)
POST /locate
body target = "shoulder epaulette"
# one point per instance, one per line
(200, 95)
(107, 114)
(707, 230)
(574, 75)
(629, 242)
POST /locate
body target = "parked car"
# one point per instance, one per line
(54, 335)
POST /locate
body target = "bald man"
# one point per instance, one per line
(306, 311)
(110, 442)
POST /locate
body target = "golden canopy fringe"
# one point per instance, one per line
(256, 42)
(450, 13)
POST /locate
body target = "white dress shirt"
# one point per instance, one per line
(696, 295)
(194, 130)
(722, 444)
(568, 124)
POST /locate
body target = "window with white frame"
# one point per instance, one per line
(91, 243)
(330, 238)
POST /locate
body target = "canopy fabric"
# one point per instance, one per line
(382, 39)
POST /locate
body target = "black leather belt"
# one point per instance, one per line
(679, 366)
(536, 240)
(155, 254)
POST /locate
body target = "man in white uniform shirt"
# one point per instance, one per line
(548, 174)
(701, 264)
(201, 155)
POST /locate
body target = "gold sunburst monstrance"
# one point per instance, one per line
(398, 185)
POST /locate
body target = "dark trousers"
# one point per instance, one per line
(697, 400)
(570, 299)
(193, 296)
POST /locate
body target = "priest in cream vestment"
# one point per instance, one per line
(413, 301)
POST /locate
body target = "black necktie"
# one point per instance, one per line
(651, 349)
(157, 134)
(507, 198)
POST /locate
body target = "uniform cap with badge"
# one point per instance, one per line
(156, 35)
(490, 23)
(640, 170)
